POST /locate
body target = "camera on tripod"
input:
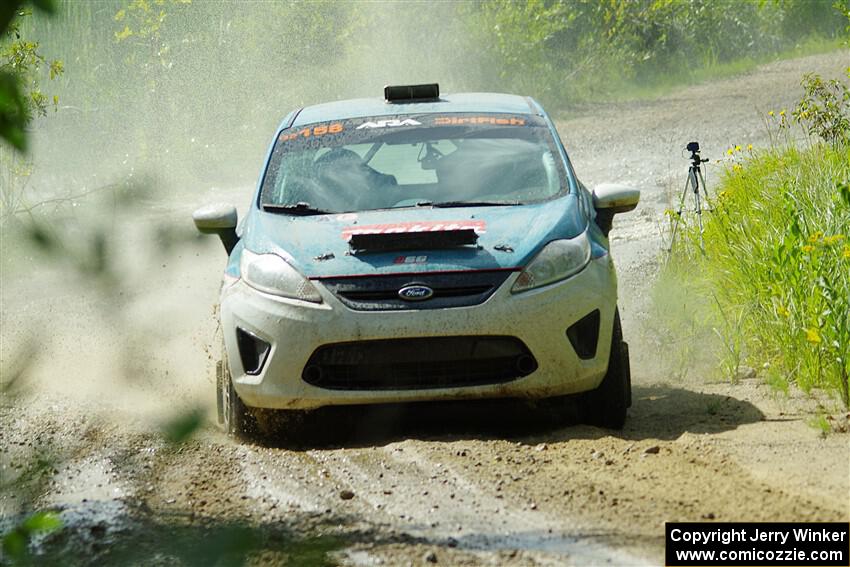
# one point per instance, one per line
(693, 147)
(692, 185)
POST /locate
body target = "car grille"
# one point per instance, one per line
(421, 363)
(380, 293)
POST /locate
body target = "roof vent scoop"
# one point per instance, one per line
(411, 93)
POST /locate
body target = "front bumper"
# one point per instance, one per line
(539, 318)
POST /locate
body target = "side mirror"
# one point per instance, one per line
(610, 199)
(218, 219)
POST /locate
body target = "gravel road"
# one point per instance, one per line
(491, 484)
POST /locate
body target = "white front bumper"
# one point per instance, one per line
(539, 318)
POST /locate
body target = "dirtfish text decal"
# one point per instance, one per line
(410, 259)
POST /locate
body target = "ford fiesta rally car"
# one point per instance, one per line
(419, 247)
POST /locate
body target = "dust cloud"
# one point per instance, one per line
(149, 127)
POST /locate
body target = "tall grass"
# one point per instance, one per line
(777, 265)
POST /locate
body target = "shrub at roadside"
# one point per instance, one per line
(825, 109)
(777, 264)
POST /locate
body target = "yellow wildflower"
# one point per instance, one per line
(730, 151)
(737, 167)
(783, 311)
(782, 113)
(846, 253)
(830, 240)
(808, 248)
(815, 237)
(813, 336)
(771, 113)
(749, 147)
(737, 148)
(123, 34)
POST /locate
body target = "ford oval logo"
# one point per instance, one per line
(415, 292)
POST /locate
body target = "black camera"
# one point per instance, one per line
(695, 158)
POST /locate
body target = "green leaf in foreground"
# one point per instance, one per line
(42, 522)
(16, 542)
(183, 426)
(13, 112)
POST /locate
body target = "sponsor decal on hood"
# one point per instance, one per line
(479, 226)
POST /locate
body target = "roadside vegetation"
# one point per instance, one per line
(772, 279)
(586, 51)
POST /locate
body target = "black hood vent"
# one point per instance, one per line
(428, 240)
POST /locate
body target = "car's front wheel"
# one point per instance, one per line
(606, 405)
(235, 417)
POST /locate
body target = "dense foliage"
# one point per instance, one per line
(568, 51)
(21, 97)
(776, 260)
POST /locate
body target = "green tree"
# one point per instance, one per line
(20, 62)
(22, 67)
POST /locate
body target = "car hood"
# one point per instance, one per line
(318, 246)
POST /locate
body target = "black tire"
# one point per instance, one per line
(606, 405)
(235, 417)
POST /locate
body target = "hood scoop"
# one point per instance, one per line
(395, 242)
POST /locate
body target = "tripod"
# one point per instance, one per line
(692, 185)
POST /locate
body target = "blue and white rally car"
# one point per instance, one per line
(419, 247)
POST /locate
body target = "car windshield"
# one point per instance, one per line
(412, 160)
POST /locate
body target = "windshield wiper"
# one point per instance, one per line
(454, 204)
(302, 209)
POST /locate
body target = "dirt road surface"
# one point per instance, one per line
(493, 484)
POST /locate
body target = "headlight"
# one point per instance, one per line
(557, 261)
(270, 273)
